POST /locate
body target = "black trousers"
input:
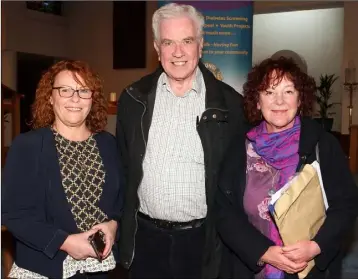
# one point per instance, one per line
(161, 253)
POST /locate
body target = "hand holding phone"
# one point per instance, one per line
(109, 230)
(97, 242)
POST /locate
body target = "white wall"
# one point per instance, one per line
(316, 35)
(264, 7)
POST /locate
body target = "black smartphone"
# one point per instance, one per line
(97, 242)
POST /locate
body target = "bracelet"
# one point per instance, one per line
(260, 263)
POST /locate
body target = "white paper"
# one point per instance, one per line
(316, 166)
(279, 193)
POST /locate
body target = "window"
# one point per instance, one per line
(51, 7)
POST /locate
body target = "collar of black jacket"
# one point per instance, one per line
(310, 135)
(214, 95)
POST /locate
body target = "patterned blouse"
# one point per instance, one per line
(83, 177)
(261, 179)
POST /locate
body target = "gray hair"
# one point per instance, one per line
(174, 10)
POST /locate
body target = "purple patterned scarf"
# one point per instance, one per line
(280, 150)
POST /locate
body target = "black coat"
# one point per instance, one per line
(244, 244)
(34, 205)
(222, 119)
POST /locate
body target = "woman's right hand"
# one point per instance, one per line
(275, 257)
(78, 246)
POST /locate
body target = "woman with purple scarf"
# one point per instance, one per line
(278, 97)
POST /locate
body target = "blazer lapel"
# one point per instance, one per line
(112, 173)
(56, 195)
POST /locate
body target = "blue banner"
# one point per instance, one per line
(227, 38)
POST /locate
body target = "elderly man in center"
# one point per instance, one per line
(173, 128)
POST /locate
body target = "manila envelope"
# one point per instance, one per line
(300, 210)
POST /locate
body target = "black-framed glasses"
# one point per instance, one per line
(67, 92)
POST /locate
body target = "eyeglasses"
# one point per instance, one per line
(67, 92)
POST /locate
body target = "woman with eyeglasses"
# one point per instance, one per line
(62, 181)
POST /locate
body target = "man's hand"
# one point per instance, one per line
(275, 257)
(109, 230)
(78, 246)
(302, 251)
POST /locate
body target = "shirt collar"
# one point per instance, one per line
(197, 85)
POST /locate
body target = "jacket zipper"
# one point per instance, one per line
(145, 149)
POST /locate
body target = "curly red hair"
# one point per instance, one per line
(260, 79)
(42, 111)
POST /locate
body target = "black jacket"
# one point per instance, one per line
(34, 205)
(222, 118)
(244, 244)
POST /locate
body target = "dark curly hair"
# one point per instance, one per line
(42, 111)
(260, 78)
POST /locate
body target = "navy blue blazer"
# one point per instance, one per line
(34, 206)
